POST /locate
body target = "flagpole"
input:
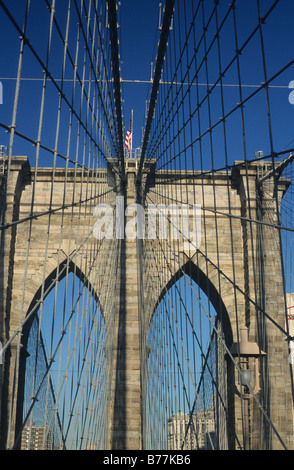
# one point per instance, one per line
(129, 137)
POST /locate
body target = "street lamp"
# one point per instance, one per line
(246, 349)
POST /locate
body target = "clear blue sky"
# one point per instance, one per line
(139, 25)
(139, 20)
(138, 35)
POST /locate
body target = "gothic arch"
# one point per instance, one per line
(210, 290)
(48, 286)
(222, 334)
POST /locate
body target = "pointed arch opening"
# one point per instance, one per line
(63, 368)
(187, 374)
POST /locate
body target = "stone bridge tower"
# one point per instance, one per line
(238, 258)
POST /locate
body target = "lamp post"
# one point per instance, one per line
(246, 349)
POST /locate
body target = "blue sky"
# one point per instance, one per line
(138, 35)
(139, 22)
(139, 38)
(137, 47)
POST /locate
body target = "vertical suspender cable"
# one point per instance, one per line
(166, 22)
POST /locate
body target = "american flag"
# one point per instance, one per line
(128, 142)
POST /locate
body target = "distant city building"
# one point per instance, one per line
(290, 309)
(194, 432)
(35, 438)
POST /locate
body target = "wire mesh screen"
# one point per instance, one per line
(61, 136)
(40, 418)
(184, 366)
(65, 378)
(172, 329)
(219, 133)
